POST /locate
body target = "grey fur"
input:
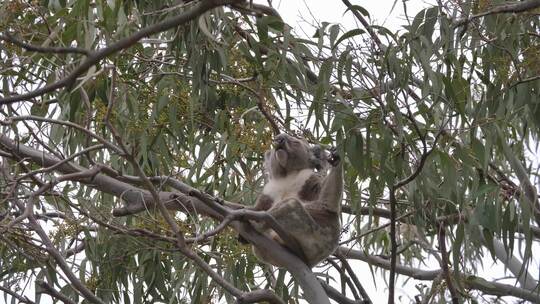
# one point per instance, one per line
(309, 211)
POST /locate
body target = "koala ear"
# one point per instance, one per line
(317, 157)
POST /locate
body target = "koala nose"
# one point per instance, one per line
(279, 140)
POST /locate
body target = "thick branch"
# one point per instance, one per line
(531, 197)
(44, 49)
(418, 274)
(510, 7)
(48, 289)
(515, 266)
(500, 289)
(139, 200)
(469, 281)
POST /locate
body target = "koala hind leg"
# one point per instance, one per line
(294, 221)
(298, 223)
(294, 218)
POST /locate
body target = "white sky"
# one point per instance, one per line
(296, 13)
(300, 14)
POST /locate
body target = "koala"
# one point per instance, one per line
(304, 200)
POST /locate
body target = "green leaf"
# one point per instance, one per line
(483, 190)
(355, 150)
(334, 31)
(359, 9)
(39, 109)
(348, 35)
(430, 21)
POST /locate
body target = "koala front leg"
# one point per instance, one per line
(332, 188)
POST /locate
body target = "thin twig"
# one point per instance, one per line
(393, 244)
(344, 279)
(43, 49)
(49, 246)
(48, 289)
(197, 9)
(63, 161)
(100, 139)
(524, 80)
(335, 294)
(393, 213)
(445, 263)
(355, 279)
(365, 24)
(181, 242)
(21, 299)
(509, 7)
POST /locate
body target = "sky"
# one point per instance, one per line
(300, 14)
(389, 13)
(381, 12)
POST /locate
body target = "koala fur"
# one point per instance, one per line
(304, 202)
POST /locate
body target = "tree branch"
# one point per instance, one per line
(365, 24)
(108, 144)
(44, 49)
(469, 281)
(59, 259)
(355, 279)
(338, 296)
(196, 10)
(21, 299)
(345, 280)
(531, 197)
(48, 289)
(139, 200)
(444, 264)
(510, 7)
(393, 213)
(261, 216)
(393, 245)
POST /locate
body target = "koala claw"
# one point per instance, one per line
(334, 159)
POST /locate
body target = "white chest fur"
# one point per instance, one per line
(287, 187)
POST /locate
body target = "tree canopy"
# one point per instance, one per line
(133, 133)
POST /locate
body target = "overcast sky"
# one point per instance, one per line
(381, 11)
(388, 13)
(300, 14)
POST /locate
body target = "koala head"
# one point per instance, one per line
(291, 154)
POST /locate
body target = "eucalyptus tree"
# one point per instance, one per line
(133, 134)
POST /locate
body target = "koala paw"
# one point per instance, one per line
(334, 159)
